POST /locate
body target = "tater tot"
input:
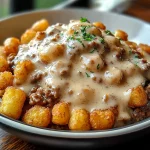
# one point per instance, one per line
(6, 79)
(40, 25)
(3, 64)
(138, 97)
(102, 119)
(12, 102)
(113, 76)
(121, 34)
(38, 116)
(2, 52)
(22, 70)
(133, 45)
(52, 54)
(27, 36)
(61, 113)
(99, 25)
(11, 45)
(95, 31)
(145, 47)
(79, 120)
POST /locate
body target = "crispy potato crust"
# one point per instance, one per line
(138, 97)
(12, 102)
(6, 79)
(38, 116)
(79, 120)
(102, 119)
(61, 113)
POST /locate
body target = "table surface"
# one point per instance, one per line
(141, 10)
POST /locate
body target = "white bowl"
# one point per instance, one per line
(138, 31)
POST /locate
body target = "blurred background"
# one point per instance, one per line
(137, 8)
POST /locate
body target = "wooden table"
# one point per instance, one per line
(141, 10)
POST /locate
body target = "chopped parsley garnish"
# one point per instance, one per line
(87, 74)
(102, 40)
(79, 40)
(98, 66)
(83, 29)
(93, 50)
(130, 52)
(76, 32)
(61, 34)
(73, 38)
(70, 46)
(84, 19)
(70, 38)
(108, 32)
(88, 37)
(136, 56)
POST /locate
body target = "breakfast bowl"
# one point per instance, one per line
(78, 136)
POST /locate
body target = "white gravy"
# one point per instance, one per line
(89, 83)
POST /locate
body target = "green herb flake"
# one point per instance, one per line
(87, 75)
(83, 29)
(76, 32)
(84, 19)
(61, 34)
(79, 40)
(71, 47)
(136, 64)
(130, 52)
(136, 56)
(93, 50)
(70, 38)
(102, 40)
(98, 66)
(108, 32)
(88, 37)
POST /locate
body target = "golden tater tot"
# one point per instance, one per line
(113, 76)
(49, 55)
(95, 31)
(99, 25)
(133, 45)
(61, 114)
(2, 52)
(27, 36)
(79, 120)
(102, 119)
(38, 116)
(6, 79)
(121, 34)
(138, 97)
(145, 47)
(3, 64)
(11, 45)
(21, 71)
(40, 25)
(12, 102)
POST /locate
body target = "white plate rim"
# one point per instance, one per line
(63, 134)
(74, 134)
